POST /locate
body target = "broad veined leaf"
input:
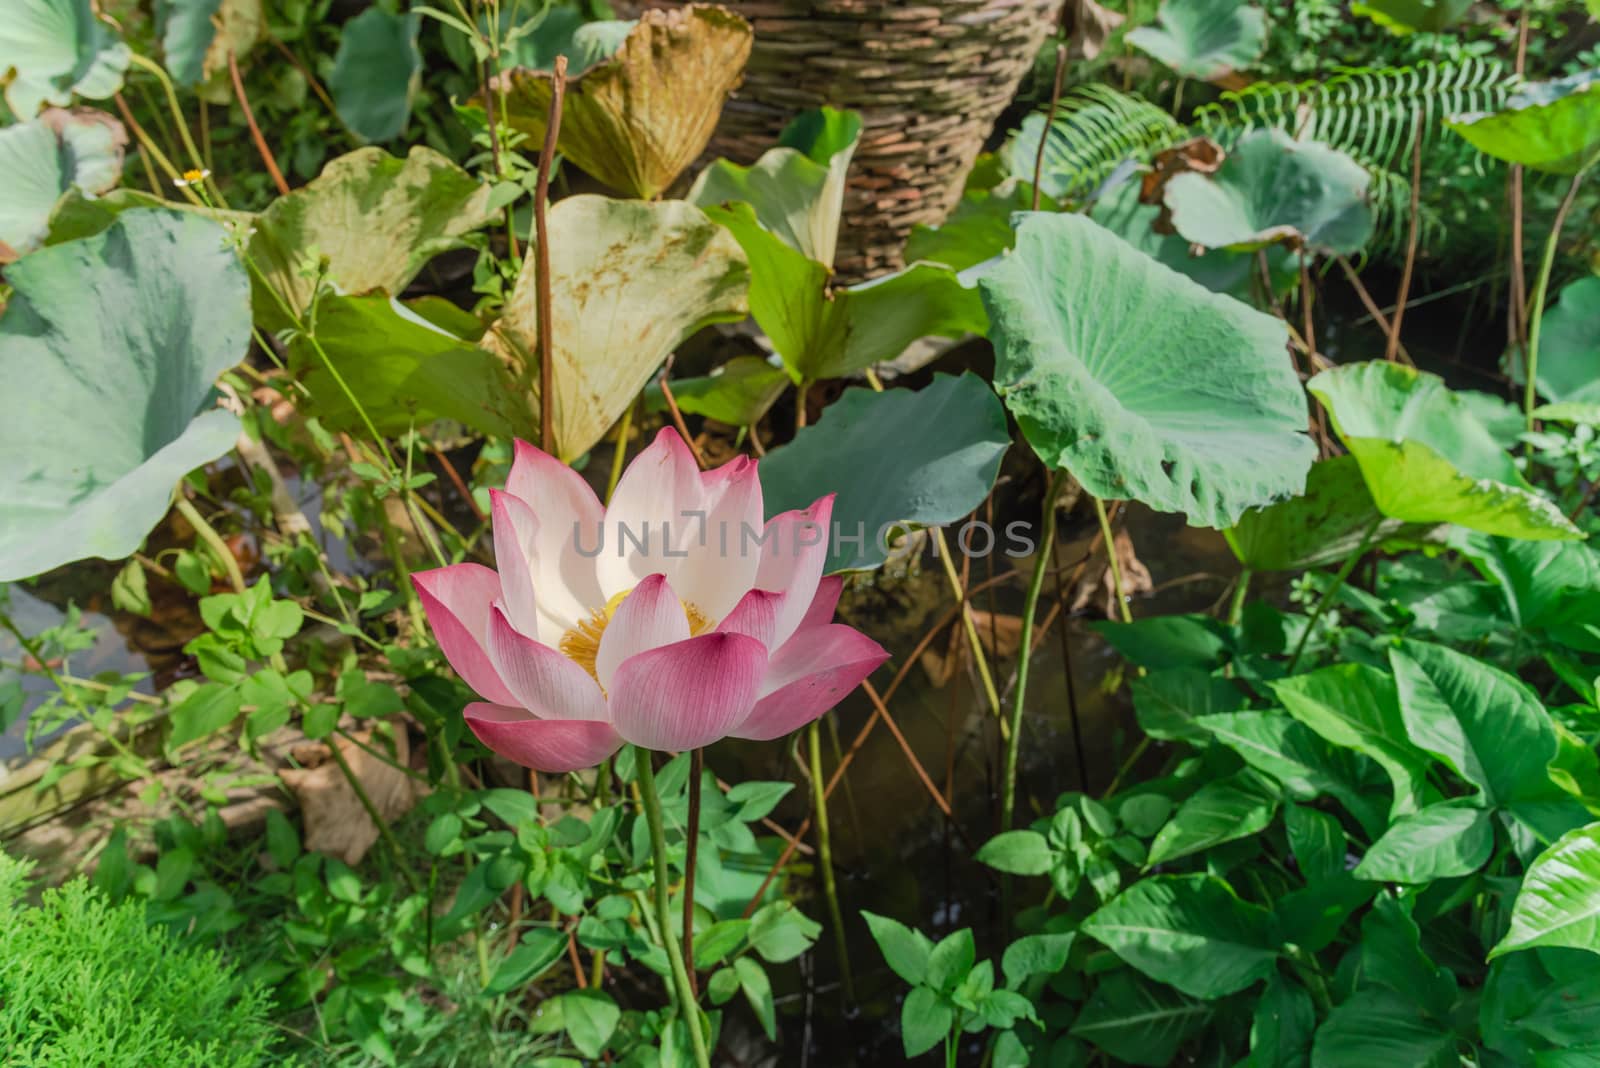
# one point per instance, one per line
(1569, 348)
(1358, 707)
(1375, 1027)
(1140, 382)
(1486, 725)
(630, 280)
(45, 157)
(376, 219)
(1137, 1021)
(1280, 1031)
(78, 215)
(1442, 841)
(56, 49)
(1544, 583)
(1204, 38)
(1567, 1013)
(1168, 701)
(1424, 456)
(1291, 753)
(1190, 931)
(1392, 955)
(1549, 126)
(636, 120)
(797, 188)
(978, 230)
(1412, 16)
(917, 458)
(1559, 903)
(1159, 642)
(119, 385)
(543, 34)
(190, 42)
(737, 393)
(1224, 810)
(1322, 526)
(376, 72)
(823, 333)
(1272, 188)
(407, 371)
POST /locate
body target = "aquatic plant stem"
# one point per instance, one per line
(1112, 565)
(1241, 588)
(541, 257)
(1413, 232)
(691, 856)
(619, 457)
(1326, 599)
(155, 69)
(255, 131)
(687, 1007)
(1030, 606)
(830, 889)
(1542, 284)
(208, 534)
(1050, 118)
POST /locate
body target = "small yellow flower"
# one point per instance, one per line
(191, 177)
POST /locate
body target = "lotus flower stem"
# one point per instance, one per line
(687, 1007)
(1531, 370)
(1111, 558)
(830, 889)
(1030, 606)
(541, 257)
(691, 856)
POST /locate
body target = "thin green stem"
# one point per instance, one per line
(1112, 565)
(208, 534)
(195, 156)
(663, 900)
(979, 658)
(830, 889)
(60, 682)
(373, 814)
(1537, 301)
(1030, 605)
(1328, 594)
(1241, 590)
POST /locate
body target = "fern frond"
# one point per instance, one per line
(1095, 129)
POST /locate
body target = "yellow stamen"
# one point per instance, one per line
(193, 176)
(581, 644)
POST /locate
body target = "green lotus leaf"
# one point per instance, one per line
(797, 188)
(118, 386)
(637, 120)
(1412, 16)
(54, 49)
(738, 393)
(978, 230)
(823, 333)
(376, 73)
(559, 31)
(194, 48)
(1425, 457)
(374, 218)
(1141, 382)
(920, 458)
(629, 280)
(1271, 189)
(45, 157)
(1549, 126)
(1569, 346)
(407, 366)
(1320, 527)
(1203, 38)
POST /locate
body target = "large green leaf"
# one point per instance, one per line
(109, 405)
(55, 49)
(1223, 810)
(190, 39)
(636, 120)
(43, 158)
(1137, 1021)
(920, 457)
(407, 370)
(1412, 16)
(738, 393)
(796, 189)
(1442, 841)
(1374, 1027)
(376, 72)
(374, 218)
(1190, 931)
(535, 37)
(1272, 189)
(1426, 458)
(1322, 526)
(1204, 38)
(1358, 707)
(1569, 346)
(1169, 700)
(1141, 382)
(823, 333)
(1550, 126)
(629, 280)
(1297, 757)
(1486, 725)
(1559, 903)
(978, 230)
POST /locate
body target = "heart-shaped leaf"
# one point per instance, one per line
(57, 48)
(117, 386)
(1272, 189)
(630, 280)
(1142, 383)
(1559, 903)
(797, 188)
(636, 120)
(1203, 38)
(1569, 347)
(919, 457)
(1549, 126)
(374, 218)
(376, 73)
(42, 159)
(1426, 458)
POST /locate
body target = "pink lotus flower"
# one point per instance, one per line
(670, 619)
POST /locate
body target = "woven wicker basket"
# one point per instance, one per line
(928, 76)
